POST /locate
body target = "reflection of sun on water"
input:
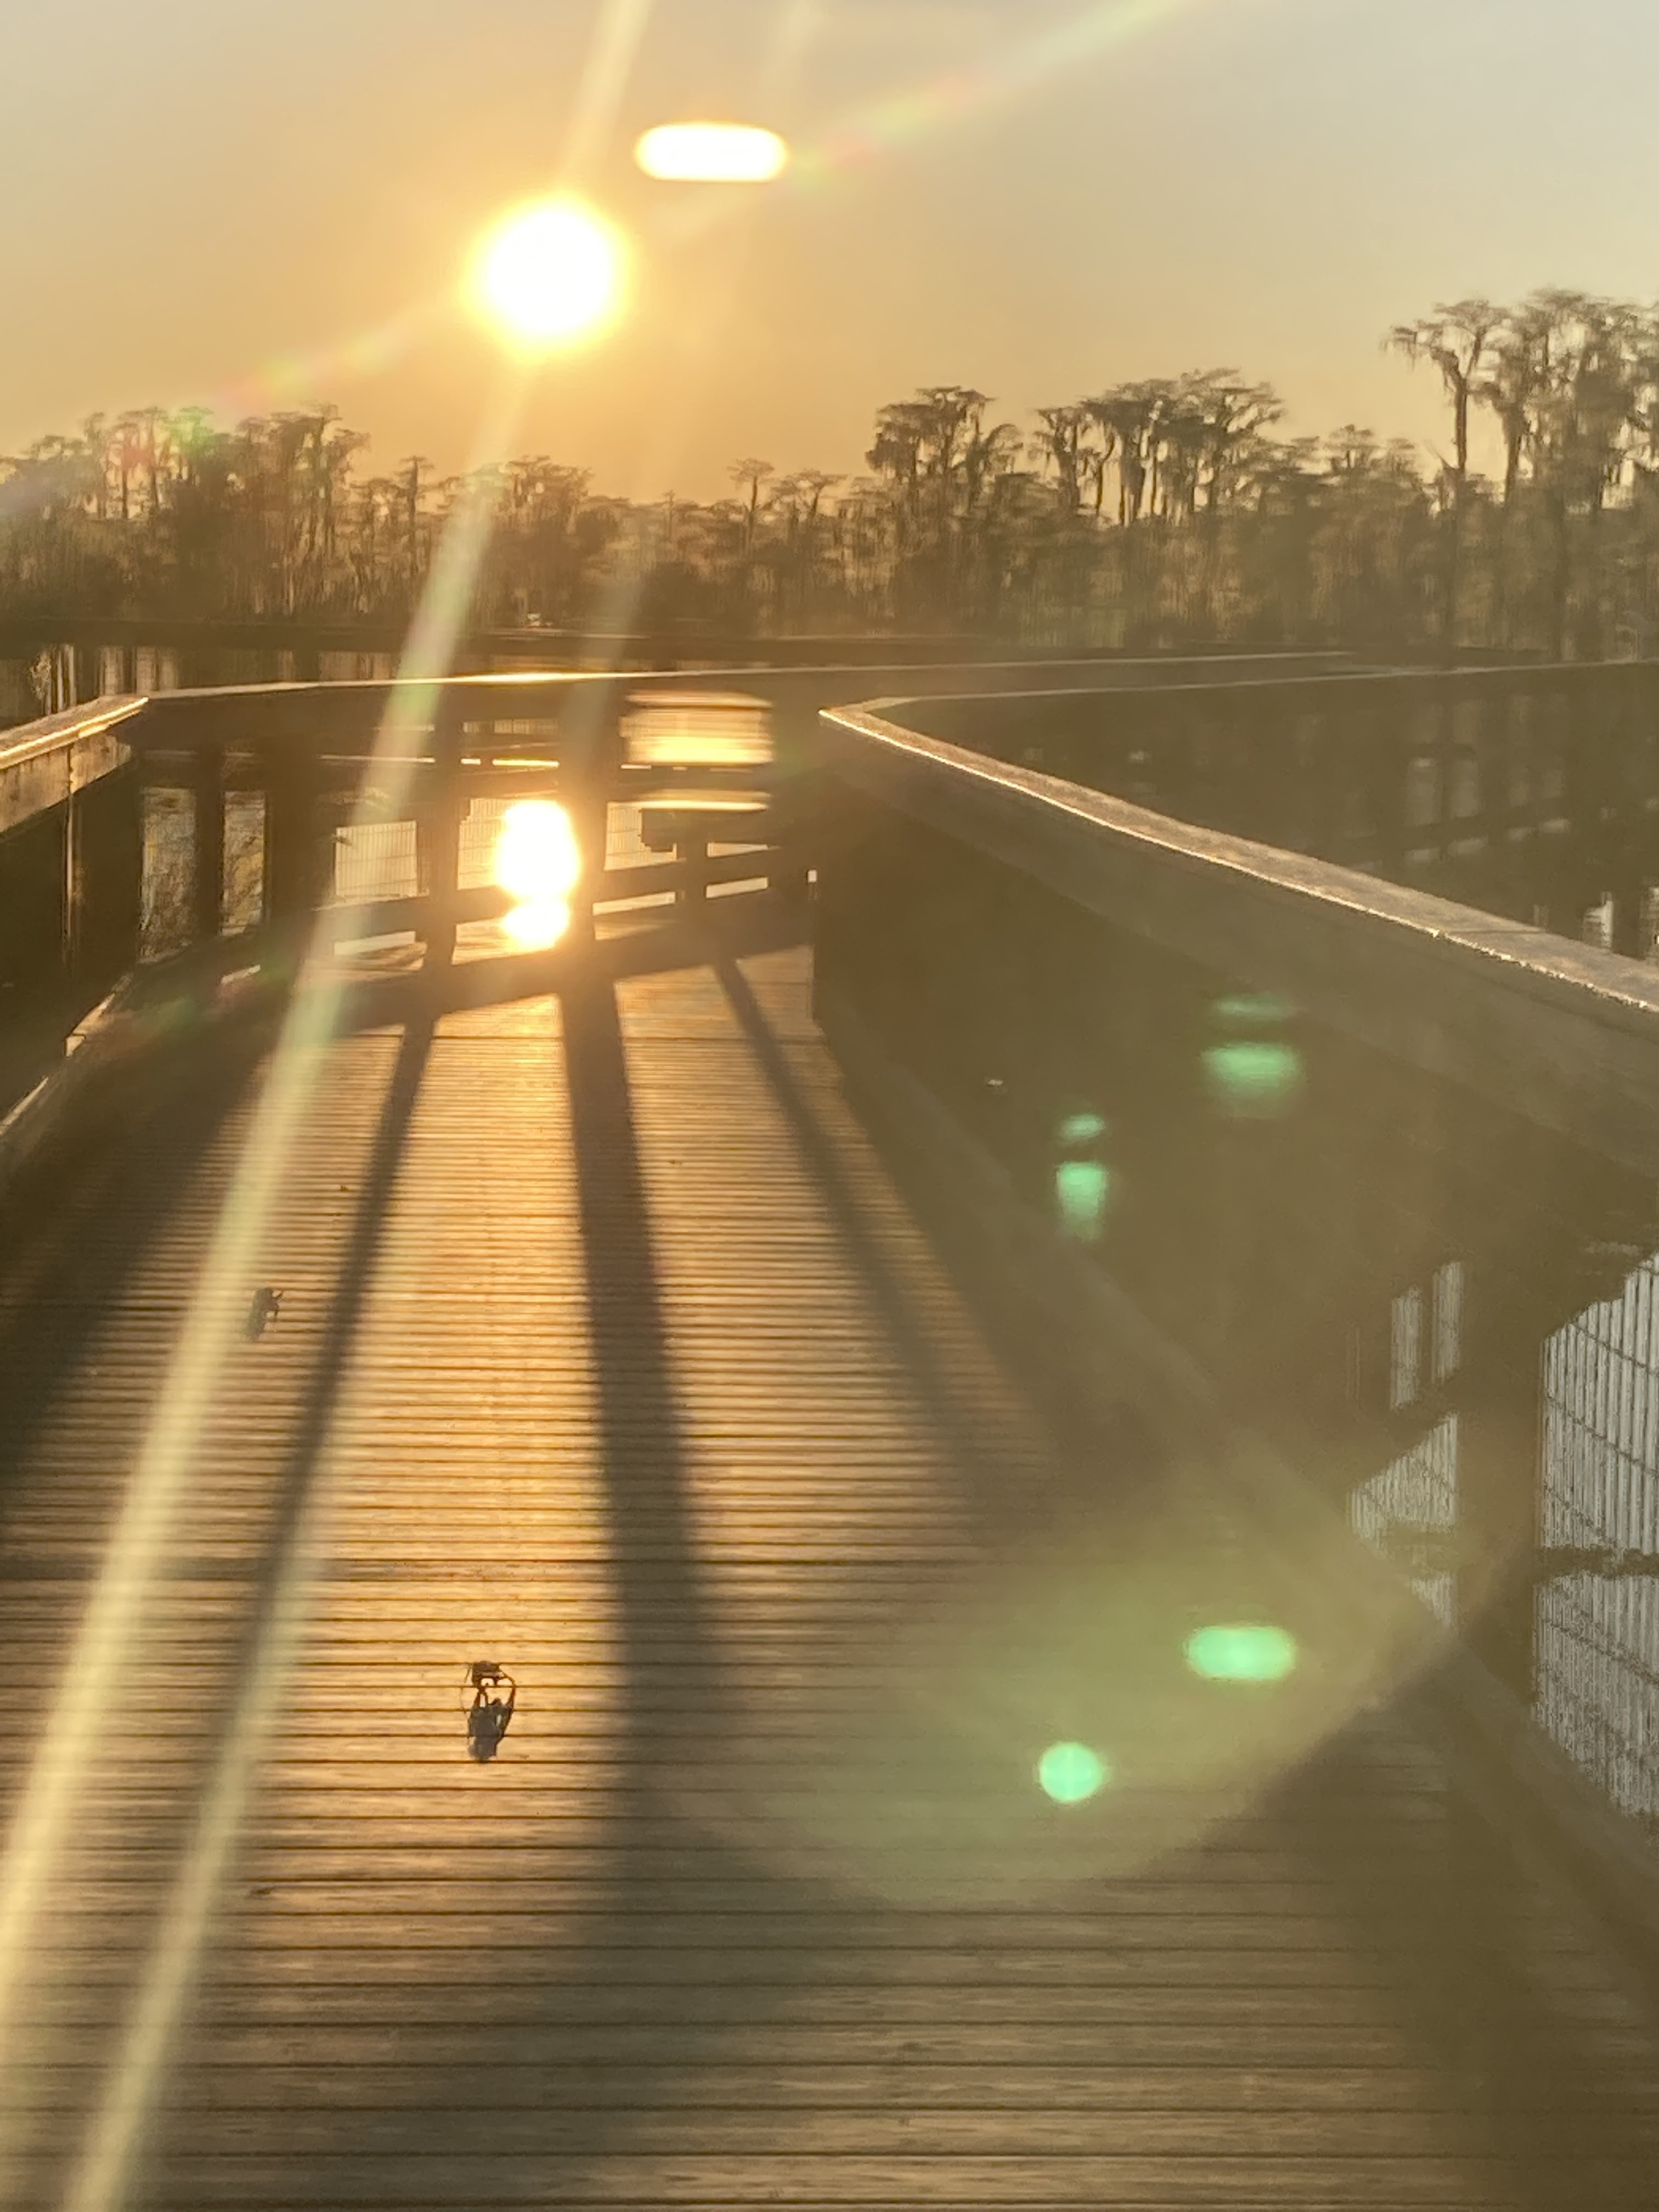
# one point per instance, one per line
(538, 860)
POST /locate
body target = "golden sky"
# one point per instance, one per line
(253, 204)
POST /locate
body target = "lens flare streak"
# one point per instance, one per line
(1061, 50)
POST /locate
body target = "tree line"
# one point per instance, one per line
(1160, 514)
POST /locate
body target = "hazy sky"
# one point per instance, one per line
(259, 203)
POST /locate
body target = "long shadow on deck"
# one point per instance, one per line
(675, 1697)
(1115, 1462)
(641, 1449)
(997, 1505)
(1543, 2059)
(564, 2010)
(76, 1230)
(252, 1679)
(744, 923)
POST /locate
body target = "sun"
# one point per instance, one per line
(548, 276)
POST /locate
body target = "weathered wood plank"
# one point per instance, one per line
(494, 2134)
(1204, 2057)
(667, 2004)
(576, 2078)
(613, 2177)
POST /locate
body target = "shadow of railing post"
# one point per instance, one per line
(238, 1707)
(641, 1446)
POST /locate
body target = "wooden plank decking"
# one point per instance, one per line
(608, 1350)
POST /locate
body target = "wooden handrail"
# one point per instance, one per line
(1562, 1033)
(42, 762)
(322, 714)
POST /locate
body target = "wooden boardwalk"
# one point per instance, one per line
(608, 1350)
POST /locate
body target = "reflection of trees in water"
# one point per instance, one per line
(1160, 511)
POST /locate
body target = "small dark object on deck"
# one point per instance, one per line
(488, 1714)
(267, 1304)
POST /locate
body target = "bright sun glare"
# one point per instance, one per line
(549, 274)
(712, 153)
(539, 862)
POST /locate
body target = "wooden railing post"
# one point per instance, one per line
(208, 860)
(691, 851)
(103, 864)
(1381, 733)
(590, 752)
(788, 868)
(291, 858)
(438, 833)
(1499, 1401)
(74, 938)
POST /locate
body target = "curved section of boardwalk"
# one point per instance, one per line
(607, 1350)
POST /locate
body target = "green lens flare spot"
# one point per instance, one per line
(1254, 1011)
(1081, 1129)
(1242, 1652)
(1258, 1078)
(1082, 1189)
(1069, 1773)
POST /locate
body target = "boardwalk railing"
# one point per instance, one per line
(1258, 1144)
(134, 831)
(65, 661)
(1532, 792)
